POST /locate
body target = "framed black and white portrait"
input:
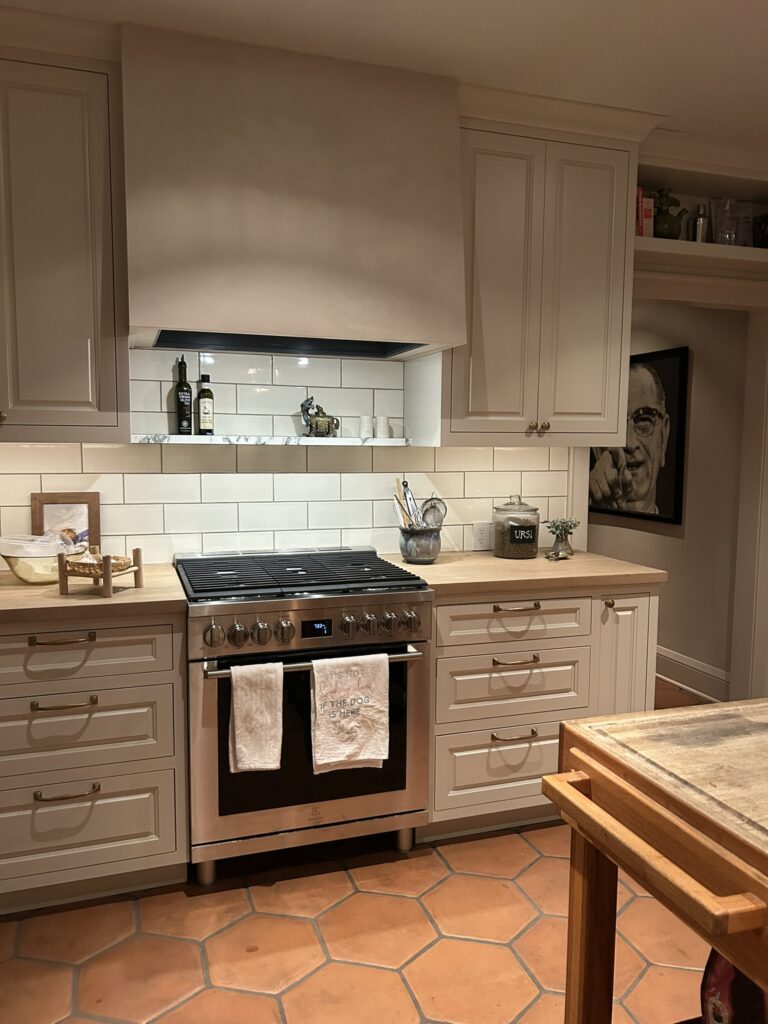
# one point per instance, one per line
(644, 479)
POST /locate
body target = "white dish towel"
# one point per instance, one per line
(350, 712)
(256, 718)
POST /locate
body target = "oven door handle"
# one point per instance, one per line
(305, 666)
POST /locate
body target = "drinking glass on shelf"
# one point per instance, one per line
(726, 222)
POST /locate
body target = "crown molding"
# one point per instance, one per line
(667, 148)
(73, 37)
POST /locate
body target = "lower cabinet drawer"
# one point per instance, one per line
(512, 682)
(85, 727)
(57, 827)
(474, 768)
(525, 620)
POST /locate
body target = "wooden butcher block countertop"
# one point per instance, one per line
(478, 572)
(161, 593)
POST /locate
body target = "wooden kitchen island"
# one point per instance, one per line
(679, 800)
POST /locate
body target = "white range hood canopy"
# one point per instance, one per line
(289, 199)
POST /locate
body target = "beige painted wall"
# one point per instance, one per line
(696, 604)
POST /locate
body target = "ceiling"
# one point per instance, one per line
(702, 63)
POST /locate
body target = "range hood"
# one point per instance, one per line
(283, 202)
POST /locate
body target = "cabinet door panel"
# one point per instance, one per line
(57, 335)
(583, 348)
(495, 376)
(623, 655)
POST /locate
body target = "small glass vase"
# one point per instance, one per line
(560, 549)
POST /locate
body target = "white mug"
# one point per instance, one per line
(382, 426)
(366, 426)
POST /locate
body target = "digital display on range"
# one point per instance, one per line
(316, 627)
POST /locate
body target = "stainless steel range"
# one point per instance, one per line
(292, 607)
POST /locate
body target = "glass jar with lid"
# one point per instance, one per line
(515, 529)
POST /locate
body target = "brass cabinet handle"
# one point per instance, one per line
(609, 602)
(535, 606)
(530, 735)
(533, 425)
(93, 700)
(545, 426)
(38, 797)
(3, 416)
(91, 638)
(533, 660)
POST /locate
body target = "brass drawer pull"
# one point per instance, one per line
(90, 639)
(38, 797)
(609, 602)
(533, 660)
(93, 700)
(534, 607)
(532, 734)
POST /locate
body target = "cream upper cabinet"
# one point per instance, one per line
(548, 282)
(63, 372)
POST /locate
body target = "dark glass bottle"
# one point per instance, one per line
(183, 396)
(204, 406)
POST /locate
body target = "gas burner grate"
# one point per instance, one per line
(292, 574)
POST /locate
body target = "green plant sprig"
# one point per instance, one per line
(562, 527)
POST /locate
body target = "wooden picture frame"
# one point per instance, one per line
(74, 514)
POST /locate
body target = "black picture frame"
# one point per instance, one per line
(669, 368)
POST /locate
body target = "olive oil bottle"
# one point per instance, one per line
(183, 400)
(204, 406)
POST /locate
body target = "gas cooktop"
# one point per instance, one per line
(270, 575)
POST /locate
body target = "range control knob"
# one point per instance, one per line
(238, 634)
(349, 625)
(214, 635)
(410, 621)
(389, 622)
(369, 624)
(261, 633)
(285, 631)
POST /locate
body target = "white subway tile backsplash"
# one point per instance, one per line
(273, 515)
(159, 364)
(558, 458)
(199, 458)
(340, 514)
(145, 396)
(371, 373)
(40, 458)
(308, 539)
(121, 458)
(237, 425)
(237, 486)
(482, 485)
(288, 426)
(114, 546)
(387, 403)
(236, 368)
(108, 485)
(558, 507)
(550, 483)
(161, 487)
(163, 547)
(308, 371)
(270, 400)
(307, 486)
(345, 401)
(520, 458)
(15, 520)
(382, 485)
(384, 513)
(152, 423)
(124, 519)
(220, 518)
(238, 542)
(469, 510)
(386, 542)
(479, 459)
(403, 460)
(16, 488)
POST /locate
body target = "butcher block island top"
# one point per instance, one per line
(162, 592)
(478, 572)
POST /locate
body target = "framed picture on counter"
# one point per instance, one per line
(645, 478)
(75, 516)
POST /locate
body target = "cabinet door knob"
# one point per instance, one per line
(3, 416)
(545, 426)
(609, 602)
(533, 426)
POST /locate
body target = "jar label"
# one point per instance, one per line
(522, 534)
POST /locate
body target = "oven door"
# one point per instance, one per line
(249, 804)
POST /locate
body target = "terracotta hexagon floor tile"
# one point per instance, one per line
(544, 950)
(546, 882)
(632, 885)
(661, 937)
(305, 895)
(350, 994)
(504, 856)
(546, 1010)
(140, 978)
(377, 929)
(554, 841)
(73, 936)
(620, 1016)
(34, 993)
(409, 874)
(475, 907)
(7, 939)
(216, 1006)
(192, 916)
(263, 954)
(470, 983)
(665, 994)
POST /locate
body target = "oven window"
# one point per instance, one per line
(295, 782)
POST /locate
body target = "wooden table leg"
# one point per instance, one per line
(591, 935)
